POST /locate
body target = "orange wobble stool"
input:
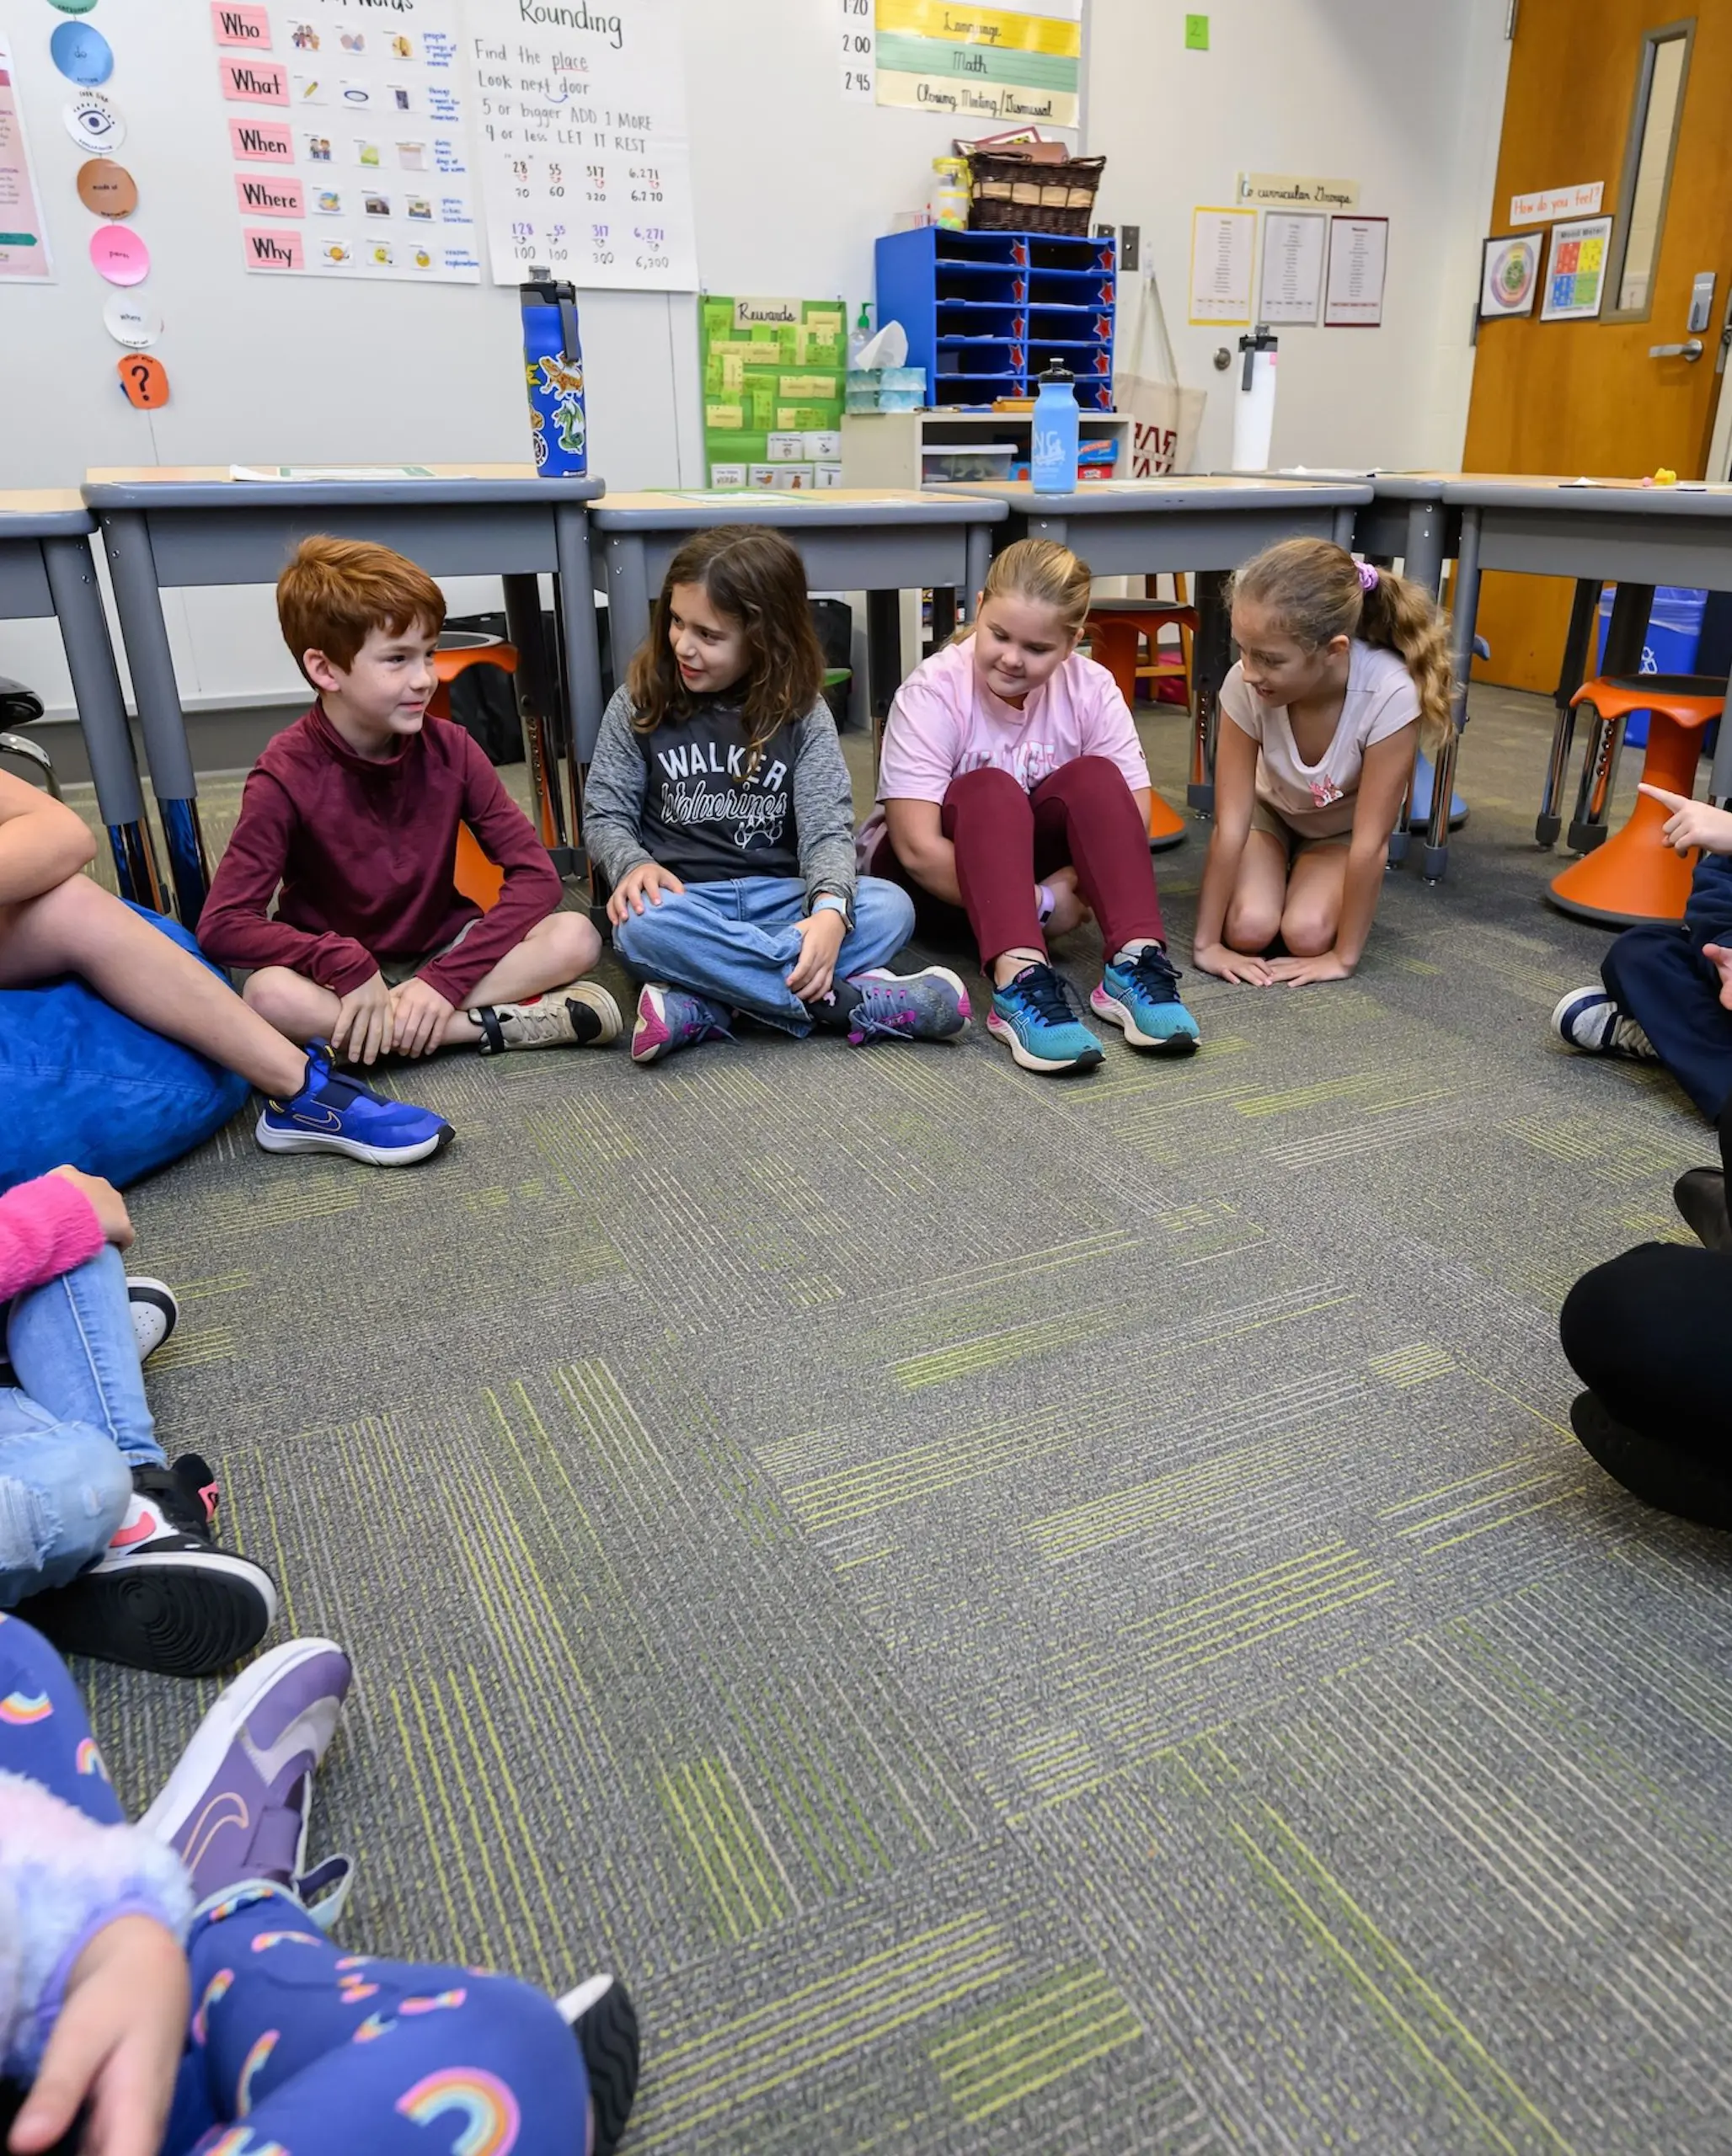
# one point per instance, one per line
(1635, 876)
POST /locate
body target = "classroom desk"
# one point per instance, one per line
(168, 526)
(1204, 524)
(881, 540)
(46, 568)
(1616, 531)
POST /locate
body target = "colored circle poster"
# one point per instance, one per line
(1511, 278)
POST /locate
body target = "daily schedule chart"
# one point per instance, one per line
(580, 120)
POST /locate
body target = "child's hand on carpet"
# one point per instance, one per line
(116, 2046)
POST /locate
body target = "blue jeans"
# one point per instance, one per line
(737, 942)
(73, 1427)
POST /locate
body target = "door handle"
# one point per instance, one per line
(1691, 350)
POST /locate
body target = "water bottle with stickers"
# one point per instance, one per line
(552, 367)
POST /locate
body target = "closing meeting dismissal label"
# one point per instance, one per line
(982, 63)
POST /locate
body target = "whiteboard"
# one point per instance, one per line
(794, 183)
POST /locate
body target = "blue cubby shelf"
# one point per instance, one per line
(987, 312)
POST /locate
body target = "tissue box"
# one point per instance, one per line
(886, 389)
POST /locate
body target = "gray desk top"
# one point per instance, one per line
(1214, 492)
(699, 509)
(44, 513)
(1605, 497)
(211, 486)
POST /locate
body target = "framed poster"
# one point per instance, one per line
(1358, 253)
(1223, 243)
(1510, 275)
(1292, 289)
(1575, 272)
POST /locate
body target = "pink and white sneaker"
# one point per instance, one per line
(671, 1018)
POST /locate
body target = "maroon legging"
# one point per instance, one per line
(1084, 816)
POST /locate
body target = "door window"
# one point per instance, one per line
(1647, 168)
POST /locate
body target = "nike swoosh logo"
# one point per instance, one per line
(318, 1119)
(142, 1529)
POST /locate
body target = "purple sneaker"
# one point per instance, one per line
(669, 1018)
(237, 1806)
(932, 1006)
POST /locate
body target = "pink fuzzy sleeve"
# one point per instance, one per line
(46, 1227)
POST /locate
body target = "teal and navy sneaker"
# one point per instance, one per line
(1032, 1018)
(1143, 998)
(334, 1113)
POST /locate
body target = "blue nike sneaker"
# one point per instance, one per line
(1143, 998)
(334, 1113)
(1032, 1018)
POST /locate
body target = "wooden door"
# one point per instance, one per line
(1584, 397)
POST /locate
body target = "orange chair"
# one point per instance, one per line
(474, 875)
(1635, 876)
(1117, 629)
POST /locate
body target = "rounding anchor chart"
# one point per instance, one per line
(585, 158)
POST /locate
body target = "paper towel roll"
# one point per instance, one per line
(1253, 407)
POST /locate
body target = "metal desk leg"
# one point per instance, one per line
(1422, 562)
(1401, 837)
(1211, 661)
(884, 650)
(1344, 528)
(622, 559)
(536, 712)
(101, 717)
(1570, 676)
(132, 569)
(944, 615)
(1435, 861)
(1625, 635)
(1719, 782)
(575, 597)
(980, 556)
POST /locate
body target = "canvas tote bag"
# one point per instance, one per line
(1164, 417)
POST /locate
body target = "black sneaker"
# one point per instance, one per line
(600, 2016)
(163, 1598)
(1700, 1196)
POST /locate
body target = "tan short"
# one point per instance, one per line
(1265, 818)
(402, 968)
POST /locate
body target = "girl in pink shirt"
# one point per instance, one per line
(1013, 786)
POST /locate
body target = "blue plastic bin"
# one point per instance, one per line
(1674, 631)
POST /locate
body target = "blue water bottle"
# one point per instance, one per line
(553, 366)
(1053, 465)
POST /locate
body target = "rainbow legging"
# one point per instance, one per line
(297, 2048)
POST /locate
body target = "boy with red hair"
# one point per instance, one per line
(350, 822)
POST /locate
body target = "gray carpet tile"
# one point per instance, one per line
(1061, 1617)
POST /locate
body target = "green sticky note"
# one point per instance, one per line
(1196, 33)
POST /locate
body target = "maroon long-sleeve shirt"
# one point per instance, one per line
(359, 855)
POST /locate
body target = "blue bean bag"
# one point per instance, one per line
(79, 1082)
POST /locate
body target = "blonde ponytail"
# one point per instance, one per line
(1043, 571)
(1315, 590)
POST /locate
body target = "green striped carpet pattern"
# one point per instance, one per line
(1018, 1616)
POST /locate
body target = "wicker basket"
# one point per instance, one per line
(1015, 194)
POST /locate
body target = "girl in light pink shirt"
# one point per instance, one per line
(1344, 669)
(1013, 786)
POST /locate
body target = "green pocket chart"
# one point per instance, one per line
(774, 382)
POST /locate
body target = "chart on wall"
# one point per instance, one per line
(585, 154)
(23, 239)
(773, 380)
(1010, 65)
(349, 139)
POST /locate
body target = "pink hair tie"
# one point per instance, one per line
(1367, 575)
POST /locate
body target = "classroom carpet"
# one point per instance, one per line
(1061, 1617)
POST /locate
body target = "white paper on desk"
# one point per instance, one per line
(329, 472)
